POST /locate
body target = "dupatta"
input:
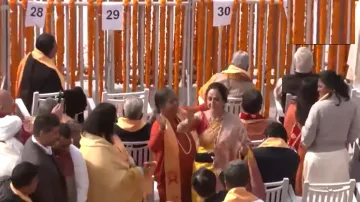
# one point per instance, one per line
(171, 157)
(40, 57)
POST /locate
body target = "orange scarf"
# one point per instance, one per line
(130, 125)
(40, 57)
(172, 165)
(19, 194)
(239, 194)
(274, 142)
(231, 73)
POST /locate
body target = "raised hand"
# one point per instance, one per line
(161, 121)
(58, 110)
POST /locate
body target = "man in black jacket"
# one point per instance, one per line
(20, 185)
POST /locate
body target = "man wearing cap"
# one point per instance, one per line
(236, 77)
(303, 64)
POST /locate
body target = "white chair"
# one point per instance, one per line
(91, 104)
(233, 105)
(139, 151)
(255, 143)
(21, 108)
(39, 98)
(289, 99)
(355, 94)
(337, 192)
(277, 191)
(118, 99)
(279, 111)
(357, 193)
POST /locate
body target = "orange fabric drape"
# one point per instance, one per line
(134, 45)
(90, 45)
(282, 40)
(260, 41)
(209, 40)
(332, 57)
(72, 40)
(200, 45)
(162, 44)
(147, 42)
(322, 22)
(59, 35)
(48, 18)
(14, 44)
(177, 50)
(28, 33)
(125, 26)
(232, 30)
(299, 27)
(269, 57)
(100, 83)
(244, 26)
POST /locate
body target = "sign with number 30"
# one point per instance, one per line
(35, 14)
(222, 12)
(112, 15)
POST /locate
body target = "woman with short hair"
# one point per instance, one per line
(332, 124)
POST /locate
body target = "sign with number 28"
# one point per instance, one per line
(35, 14)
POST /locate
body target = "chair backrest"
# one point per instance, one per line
(118, 100)
(233, 105)
(277, 191)
(289, 99)
(355, 94)
(343, 192)
(39, 98)
(139, 151)
(21, 109)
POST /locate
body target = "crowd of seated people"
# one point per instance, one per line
(197, 153)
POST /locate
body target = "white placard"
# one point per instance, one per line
(112, 16)
(35, 14)
(222, 12)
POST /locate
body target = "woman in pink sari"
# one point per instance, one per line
(222, 138)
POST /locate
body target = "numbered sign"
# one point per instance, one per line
(35, 14)
(112, 16)
(222, 12)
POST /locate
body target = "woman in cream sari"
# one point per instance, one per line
(113, 177)
(222, 138)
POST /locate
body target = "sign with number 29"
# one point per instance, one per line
(222, 12)
(35, 14)
(112, 15)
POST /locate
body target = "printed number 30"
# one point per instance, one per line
(112, 14)
(36, 12)
(224, 11)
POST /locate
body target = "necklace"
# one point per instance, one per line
(182, 148)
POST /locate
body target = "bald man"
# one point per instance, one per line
(6, 109)
(6, 103)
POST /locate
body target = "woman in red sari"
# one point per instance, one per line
(173, 151)
(307, 96)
